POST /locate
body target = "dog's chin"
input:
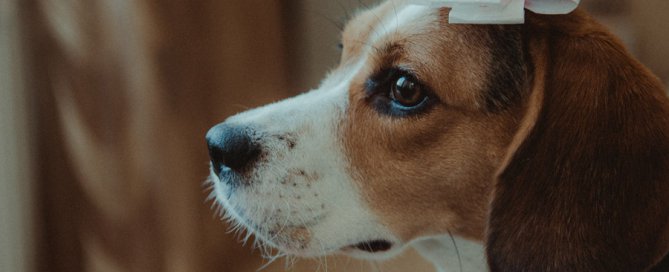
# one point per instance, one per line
(301, 241)
(304, 234)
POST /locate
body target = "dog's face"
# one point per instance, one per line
(401, 141)
(547, 141)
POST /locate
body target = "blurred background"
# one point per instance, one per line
(104, 105)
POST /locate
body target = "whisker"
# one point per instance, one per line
(241, 106)
(361, 3)
(289, 262)
(271, 260)
(376, 33)
(344, 9)
(367, 45)
(246, 238)
(457, 251)
(397, 23)
(338, 24)
(377, 266)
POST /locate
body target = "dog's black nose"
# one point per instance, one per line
(231, 147)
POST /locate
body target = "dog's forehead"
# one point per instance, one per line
(453, 60)
(372, 28)
(409, 18)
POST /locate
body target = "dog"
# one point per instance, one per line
(546, 143)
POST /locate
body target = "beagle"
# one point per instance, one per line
(546, 143)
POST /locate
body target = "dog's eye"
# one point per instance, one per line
(407, 93)
(397, 92)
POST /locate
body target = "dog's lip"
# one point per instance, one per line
(372, 246)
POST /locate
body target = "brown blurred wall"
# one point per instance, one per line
(127, 90)
(650, 21)
(124, 91)
(16, 198)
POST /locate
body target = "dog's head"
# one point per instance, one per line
(539, 139)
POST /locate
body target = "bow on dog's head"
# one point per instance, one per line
(585, 185)
(546, 141)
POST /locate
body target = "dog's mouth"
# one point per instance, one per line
(373, 246)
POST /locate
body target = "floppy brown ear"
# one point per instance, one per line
(586, 183)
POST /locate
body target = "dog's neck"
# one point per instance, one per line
(452, 254)
(470, 256)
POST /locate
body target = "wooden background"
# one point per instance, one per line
(106, 103)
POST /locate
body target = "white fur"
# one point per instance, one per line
(452, 253)
(320, 211)
(411, 16)
(323, 202)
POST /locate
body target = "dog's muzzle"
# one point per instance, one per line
(232, 151)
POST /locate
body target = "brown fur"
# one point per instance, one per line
(588, 188)
(408, 166)
(550, 143)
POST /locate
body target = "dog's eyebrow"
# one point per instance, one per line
(389, 54)
(386, 58)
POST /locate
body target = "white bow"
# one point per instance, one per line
(498, 11)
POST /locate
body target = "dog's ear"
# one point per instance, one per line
(585, 186)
